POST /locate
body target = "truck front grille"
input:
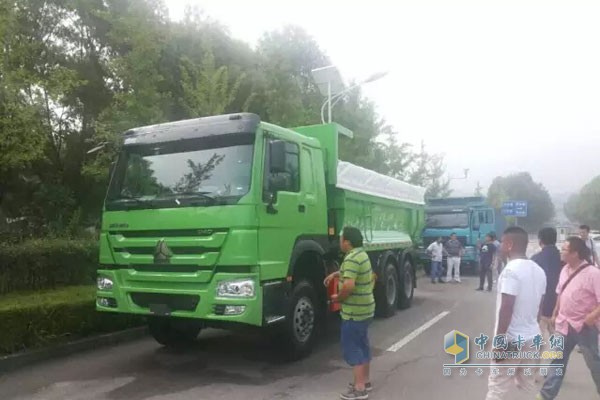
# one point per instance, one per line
(175, 302)
(166, 268)
(151, 250)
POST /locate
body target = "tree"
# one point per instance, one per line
(288, 95)
(570, 207)
(521, 186)
(74, 75)
(428, 171)
(584, 207)
(206, 87)
(397, 157)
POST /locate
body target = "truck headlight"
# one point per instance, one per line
(104, 283)
(237, 288)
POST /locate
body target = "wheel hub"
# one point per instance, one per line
(391, 290)
(304, 319)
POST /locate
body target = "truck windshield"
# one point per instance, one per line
(450, 220)
(162, 176)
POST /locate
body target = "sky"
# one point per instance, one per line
(498, 87)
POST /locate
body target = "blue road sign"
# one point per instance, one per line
(520, 208)
(508, 208)
(514, 208)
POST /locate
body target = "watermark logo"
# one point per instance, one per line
(457, 344)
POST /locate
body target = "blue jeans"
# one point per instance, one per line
(588, 341)
(436, 270)
(355, 342)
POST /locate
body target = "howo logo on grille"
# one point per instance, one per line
(162, 254)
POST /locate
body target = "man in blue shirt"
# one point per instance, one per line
(549, 259)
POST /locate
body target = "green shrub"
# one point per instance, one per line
(47, 264)
(36, 319)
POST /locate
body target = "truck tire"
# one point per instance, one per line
(386, 291)
(172, 332)
(407, 288)
(302, 322)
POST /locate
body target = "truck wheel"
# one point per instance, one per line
(301, 322)
(173, 332)
(408, 289)
(386, 292)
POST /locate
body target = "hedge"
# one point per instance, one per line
(47, 264)
(37, 319)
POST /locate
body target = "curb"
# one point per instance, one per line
(19, 360)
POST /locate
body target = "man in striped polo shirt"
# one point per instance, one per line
(358, 307)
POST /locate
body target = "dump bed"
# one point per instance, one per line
(388, 211)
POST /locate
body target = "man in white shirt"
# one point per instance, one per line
(436, 252)
(521, 288)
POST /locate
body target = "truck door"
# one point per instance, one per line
(483, 223)
(489, 224)
(313, 205)
(283, 207)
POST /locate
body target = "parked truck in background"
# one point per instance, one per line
(470, 218)
(230, 221)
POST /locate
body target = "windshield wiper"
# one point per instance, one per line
(190, 196)
(130, 200)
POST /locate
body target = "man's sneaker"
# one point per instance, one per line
(479, 289)
(353, 394)
(368, 386)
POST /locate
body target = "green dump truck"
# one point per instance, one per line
(228, 221)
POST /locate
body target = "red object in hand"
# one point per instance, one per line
(331, 290)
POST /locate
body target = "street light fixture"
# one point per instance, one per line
(330, 83)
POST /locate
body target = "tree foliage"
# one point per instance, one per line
(75, 74)
(428, 172)
(584, 207)
(521, 186)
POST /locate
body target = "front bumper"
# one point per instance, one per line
(178, 295)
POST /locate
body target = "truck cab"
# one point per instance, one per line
(470, 218)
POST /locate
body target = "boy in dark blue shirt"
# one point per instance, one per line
(486, 256)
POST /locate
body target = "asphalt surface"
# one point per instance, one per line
(231, 366)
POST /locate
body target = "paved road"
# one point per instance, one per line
(229, 367)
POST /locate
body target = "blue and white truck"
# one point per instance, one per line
(470, 218)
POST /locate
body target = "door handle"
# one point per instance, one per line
(301, 208)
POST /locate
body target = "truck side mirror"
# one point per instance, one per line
(277, 156)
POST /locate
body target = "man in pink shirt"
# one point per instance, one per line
(577, 313)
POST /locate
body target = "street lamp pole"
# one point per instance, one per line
(329, 80)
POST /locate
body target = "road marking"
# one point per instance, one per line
(405, 340)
